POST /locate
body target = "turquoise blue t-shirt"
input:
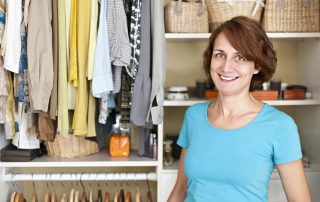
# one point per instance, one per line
(236, 164)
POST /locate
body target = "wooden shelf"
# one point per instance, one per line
(102, 159)
(192, 101)
(275, 35)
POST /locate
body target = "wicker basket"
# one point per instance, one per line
(186, 17)
(291, 16)
(71, 146)
(223, 10)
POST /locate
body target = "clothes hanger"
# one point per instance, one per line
(116, 197)
(53, 197)
(34, 193)
(64, 195)
(138, 194)
(18, 197)
(128, 197)
(99, 198)
(47, 197)
(13, 194)
(72, 193)
(106, 194)
(76, 196)
(84, 195)
(64, 198)
(121, 195)
(149, 195)
(91, 196)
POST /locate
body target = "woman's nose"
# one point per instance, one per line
(227, 65)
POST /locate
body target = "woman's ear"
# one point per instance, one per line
(257, 70)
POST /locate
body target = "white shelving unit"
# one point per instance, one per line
(306, 51)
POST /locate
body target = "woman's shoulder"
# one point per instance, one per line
(277, 115)
(196, 108)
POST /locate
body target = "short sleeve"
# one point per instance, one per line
(287, 146)
(183, 139)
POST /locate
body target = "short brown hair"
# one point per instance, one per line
(247, 37)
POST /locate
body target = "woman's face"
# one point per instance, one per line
(230, 71)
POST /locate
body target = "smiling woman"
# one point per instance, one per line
(231, 144)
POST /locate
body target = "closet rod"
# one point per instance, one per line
(9, 177)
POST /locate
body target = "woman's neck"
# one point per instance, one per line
(236, 105)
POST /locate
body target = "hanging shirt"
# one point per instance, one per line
(102, 75)
(93, 37)
(80, 118)
(159, 61)
(73, 54)
(119, 44)
(63, 117)
(40, 59)
(55, 48)
(142, 84)
(23, 66)
(11, 43)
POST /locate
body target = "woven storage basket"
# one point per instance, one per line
(186, 17)
(291, 16)
(71, 146)
(223, 10)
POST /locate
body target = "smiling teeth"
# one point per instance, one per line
(228, 78)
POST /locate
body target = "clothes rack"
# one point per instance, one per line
(10, 177)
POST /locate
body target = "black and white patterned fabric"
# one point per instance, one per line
(128, 76)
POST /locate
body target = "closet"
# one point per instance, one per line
(96, 172)
(298, 63)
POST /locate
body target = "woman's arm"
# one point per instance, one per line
(179, 191)
(294, 181)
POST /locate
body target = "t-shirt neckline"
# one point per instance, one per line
(235, 129)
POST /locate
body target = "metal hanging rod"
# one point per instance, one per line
(9, 177)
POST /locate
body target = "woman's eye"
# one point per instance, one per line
(218, 55)
(240, 58)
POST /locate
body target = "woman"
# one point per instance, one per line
(231, 144)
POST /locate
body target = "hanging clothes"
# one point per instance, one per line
(92, 37)
(23, 87)
(119, 43)
(25, 138)
(2, 20)
(72, 92)
(9, 126)
(102, 75)
(63, 116)
(11, 43)
(142, 84)
(89, 74)
(135, 42)
(159, 63)
(55, 48)
(4, 92)
(4, 83)
(80, 117)
(40, 60)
